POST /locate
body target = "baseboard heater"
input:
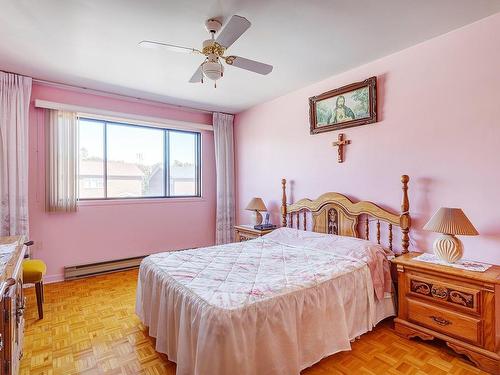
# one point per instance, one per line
(92, 269)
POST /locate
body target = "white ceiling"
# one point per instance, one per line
(94, 43)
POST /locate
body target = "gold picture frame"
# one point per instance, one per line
(345, 107)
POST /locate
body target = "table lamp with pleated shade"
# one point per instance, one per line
(256, 205)
(450, 221)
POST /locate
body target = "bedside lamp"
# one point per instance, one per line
(256, 205)
(450, 221)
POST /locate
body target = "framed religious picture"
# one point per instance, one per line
(347, 106)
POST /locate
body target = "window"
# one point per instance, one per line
(183, 151)
(129, 161)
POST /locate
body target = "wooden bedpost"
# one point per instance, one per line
(404, 219)
(283, 203)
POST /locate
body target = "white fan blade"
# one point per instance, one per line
(236, 26)
(197, 76)
(253, 66)
(171, 47)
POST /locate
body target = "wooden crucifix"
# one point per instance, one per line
(340, 143)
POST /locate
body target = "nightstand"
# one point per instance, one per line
(451, 304)
(246, 232)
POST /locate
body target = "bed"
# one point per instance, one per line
(279, 303)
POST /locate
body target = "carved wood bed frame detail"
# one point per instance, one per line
(336, 214)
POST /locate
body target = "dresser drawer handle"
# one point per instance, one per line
(440, 321)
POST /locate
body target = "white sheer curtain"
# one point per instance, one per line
(62, 161)
(224, 165)
(15, 92)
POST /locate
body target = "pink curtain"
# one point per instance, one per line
(15, 92)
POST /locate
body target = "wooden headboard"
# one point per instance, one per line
(336, 214)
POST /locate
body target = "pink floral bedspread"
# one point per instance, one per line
(237, 274)
(273, 305)
(375, 256)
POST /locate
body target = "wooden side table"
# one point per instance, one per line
(247, 232)
(451, 304)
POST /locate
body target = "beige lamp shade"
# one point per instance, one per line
(256, 204)
(451, 221)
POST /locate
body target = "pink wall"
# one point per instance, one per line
(439, 123)
(118, 229)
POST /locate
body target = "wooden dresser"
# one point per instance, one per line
(247, 232)
(12, 306)
(457, 306)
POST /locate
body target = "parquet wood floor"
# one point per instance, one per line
(90, 328)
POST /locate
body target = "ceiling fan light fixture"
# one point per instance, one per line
(212, 70)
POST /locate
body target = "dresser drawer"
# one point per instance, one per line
(245, 236)
(445, 321)
(449, 294)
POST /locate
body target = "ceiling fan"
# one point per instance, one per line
(214, 48)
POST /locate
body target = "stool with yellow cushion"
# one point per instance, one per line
(33, 272)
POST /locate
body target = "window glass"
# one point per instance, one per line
(183, 156)
(129, 161)
(134, 161)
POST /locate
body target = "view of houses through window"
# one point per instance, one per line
(129, 161)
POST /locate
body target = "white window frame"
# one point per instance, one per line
(166, 162)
